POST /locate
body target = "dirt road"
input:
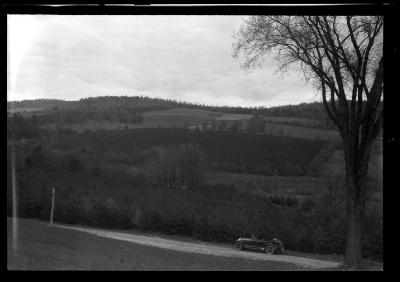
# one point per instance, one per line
(203, 248)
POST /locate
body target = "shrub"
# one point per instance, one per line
(308, 205)
(73, 164)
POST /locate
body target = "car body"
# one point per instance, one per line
(273, 246)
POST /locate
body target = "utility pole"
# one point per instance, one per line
(52, 206)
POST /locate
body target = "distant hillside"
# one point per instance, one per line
(304, 110)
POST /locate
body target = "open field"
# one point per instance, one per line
(92, 125)
(38, 107)
(335, 165)
(264, 185)
(295, 120)
(43, 247)
(27, 112)
(184, 116)
(300, 132)
(302, 187)
(183, 112)
(178, 117)
(233, 117)
(39, 246)
(22, 110)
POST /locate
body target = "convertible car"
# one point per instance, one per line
(273, 246)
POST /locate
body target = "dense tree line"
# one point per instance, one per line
(256, 125)
(224, 150)
(179, 166)
(21, 127)
(112, 198)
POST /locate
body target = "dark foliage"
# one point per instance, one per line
(22, 127)
(213, 213)
(256, 125)
(245, 152)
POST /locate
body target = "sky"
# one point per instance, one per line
(186, 58)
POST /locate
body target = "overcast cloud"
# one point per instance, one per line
(185, 58)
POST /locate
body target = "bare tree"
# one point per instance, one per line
(177, 166)
(343, 57)
(334, 193)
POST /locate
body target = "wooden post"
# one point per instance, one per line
(52, 206)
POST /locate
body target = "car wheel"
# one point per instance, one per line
(238, 246)
(269, 249)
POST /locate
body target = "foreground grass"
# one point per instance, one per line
(42, 247)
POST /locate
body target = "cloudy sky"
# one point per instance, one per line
(185, 58)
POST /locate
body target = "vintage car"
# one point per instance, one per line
(273, 246)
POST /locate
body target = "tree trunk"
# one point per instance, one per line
(356, 190)
(353, 252)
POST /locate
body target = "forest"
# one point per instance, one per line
(91, 190)
(229, 151)
(156, 179)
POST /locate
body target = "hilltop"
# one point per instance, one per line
(313, 110)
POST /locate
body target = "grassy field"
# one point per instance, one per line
(92, 125)
(38, 246)
(300, 121)
(300, 132)
(17, 110)
(27, 112)
(178, 117)
(233, 117)
(335, 165)
(184, 116)
(42, 247)
(263, 185)
(302, 187)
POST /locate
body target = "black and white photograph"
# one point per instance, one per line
(195, 141)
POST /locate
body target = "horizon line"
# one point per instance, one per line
(166, 99)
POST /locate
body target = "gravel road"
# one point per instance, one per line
(203, 248)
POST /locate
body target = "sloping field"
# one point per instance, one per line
(27, 111)
(185, 116)
(336, 166)
(300, 121)
(38, 246)
(38, 107)
(233, 117)
(300, 132)
(92, 125)
(178, 117)
(271, 185)
(16, 110)
(202, 248)
(183, 112)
